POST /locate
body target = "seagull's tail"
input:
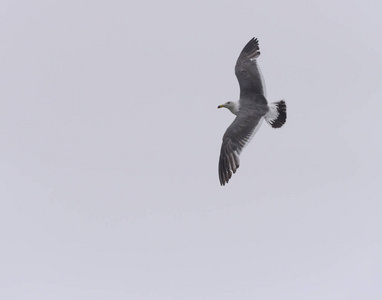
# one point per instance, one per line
(276, 115)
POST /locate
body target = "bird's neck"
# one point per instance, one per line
(234, 108)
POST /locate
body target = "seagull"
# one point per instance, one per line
(250, 110)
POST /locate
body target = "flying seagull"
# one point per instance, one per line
(250, 111)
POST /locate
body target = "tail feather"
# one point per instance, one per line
(276, 116)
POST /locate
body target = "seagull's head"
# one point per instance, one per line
(233, 106)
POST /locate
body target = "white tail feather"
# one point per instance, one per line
(276, 115)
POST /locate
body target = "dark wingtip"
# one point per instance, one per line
(252, 45)
(251, 50)
(225, 171)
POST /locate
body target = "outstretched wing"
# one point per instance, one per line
(236, 137)
(248, 72)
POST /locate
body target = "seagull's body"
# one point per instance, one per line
(251, 109)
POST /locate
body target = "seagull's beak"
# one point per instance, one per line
(220, 106)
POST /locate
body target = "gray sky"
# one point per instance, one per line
(110, 139)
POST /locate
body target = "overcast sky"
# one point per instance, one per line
(110, 139)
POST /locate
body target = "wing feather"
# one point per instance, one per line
(236, 137)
